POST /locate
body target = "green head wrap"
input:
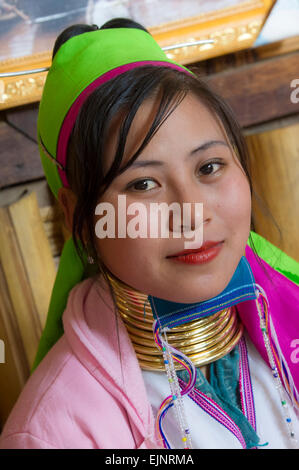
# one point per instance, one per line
(82, 64)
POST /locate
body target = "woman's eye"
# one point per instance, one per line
(147, 184)
(141, 185)
(209, 168)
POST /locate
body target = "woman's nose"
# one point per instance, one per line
(190, 218)
(192, 209)
(190, 214)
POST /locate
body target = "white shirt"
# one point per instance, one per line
(206, 432)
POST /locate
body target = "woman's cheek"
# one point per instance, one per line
(238, 212)
(127, 237)
(237, 196)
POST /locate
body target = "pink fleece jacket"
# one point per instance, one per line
(88, 392)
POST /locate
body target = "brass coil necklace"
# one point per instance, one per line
(203, 340)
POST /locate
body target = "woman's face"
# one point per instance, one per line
(181, 176)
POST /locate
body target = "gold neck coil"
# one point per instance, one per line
(203, 340)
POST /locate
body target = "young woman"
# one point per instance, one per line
(146, 346)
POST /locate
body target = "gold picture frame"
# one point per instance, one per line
(224, 31)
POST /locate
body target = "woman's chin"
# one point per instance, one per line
(188, 295)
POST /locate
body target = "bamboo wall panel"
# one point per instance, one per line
(18, 285)
(275, 172)
(36, 252)
(27, 275)
(15, 369)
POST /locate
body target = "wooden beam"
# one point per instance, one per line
(259, 92)
(20, 161)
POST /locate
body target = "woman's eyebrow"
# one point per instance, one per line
(210, 143)
(207, 145)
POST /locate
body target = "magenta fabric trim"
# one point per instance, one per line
(72, 114)
(283, 297)
(215, 411)
(246, 393)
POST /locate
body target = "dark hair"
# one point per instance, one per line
(70, 32)
(77, 29)
(122, 96)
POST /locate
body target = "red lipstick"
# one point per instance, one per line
(208, 251)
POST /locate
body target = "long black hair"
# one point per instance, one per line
(123, 95)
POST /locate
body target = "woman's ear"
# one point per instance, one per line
(67, 200)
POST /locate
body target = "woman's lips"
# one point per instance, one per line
(200, 257)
